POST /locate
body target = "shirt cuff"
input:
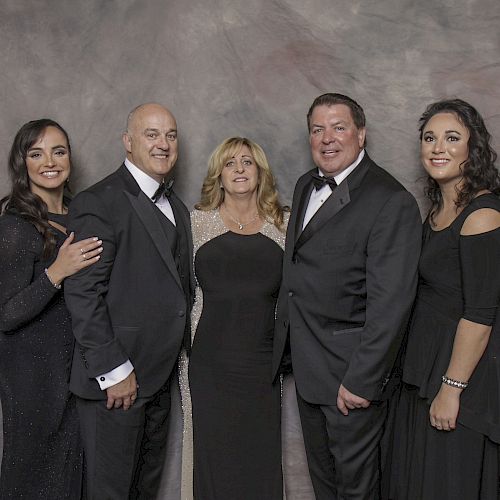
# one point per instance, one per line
(115, 376)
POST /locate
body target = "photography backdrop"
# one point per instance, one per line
(242, 67)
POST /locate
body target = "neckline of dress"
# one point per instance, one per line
(227, 230)
(437, 231)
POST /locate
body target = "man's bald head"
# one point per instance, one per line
(151, 139)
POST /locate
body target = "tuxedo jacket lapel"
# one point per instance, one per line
(145, 210)
(184, 222)
(337, 201)
(301, 210)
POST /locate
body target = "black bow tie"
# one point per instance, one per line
(164, 189)
(320, 181)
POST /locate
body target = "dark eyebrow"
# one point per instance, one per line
(334, 124)
(53, 147)
(446, 132)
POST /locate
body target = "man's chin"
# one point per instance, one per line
(330, 171)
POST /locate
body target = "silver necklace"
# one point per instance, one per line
(240, 225)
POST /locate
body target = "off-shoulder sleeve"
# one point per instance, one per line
(22, 295)
(480, 261)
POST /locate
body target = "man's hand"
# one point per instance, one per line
(123, 393)
(348, 401)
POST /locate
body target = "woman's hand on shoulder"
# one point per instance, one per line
(481, 221)
(72, 257)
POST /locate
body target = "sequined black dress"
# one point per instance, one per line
(42, 454)
(236, 409)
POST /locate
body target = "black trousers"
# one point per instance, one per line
(343, 452)
(125, 450)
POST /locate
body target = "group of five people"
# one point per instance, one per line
(241, 291)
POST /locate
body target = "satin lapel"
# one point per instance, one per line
(186, 225)
(337, 201)
(333, 205)
(301, 209)
(145, 209)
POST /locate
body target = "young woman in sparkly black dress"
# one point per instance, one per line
(42, 453)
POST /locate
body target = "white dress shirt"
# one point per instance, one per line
(148, 186)
(319, 196)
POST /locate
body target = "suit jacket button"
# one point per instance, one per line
(285, 323)
(290, 294)
(181, 314)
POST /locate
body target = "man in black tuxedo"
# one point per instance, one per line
(349, 280)
(130, 310)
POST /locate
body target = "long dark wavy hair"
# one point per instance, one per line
(21, 200)
(479, 170)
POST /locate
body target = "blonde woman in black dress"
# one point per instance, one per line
(238, 234)
(448, 421)
(42, 453)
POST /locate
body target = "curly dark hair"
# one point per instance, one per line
(479, 170)
(21, 200)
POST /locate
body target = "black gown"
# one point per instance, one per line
(459, 278)
(42, 452)
(236, 409)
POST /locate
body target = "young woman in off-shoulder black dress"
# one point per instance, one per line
(447, 435)
(42, 453)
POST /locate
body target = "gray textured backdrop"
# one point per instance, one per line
(246, 67)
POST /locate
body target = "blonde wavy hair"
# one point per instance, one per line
(212, 195)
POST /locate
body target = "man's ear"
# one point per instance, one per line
(127, 142)
(361, 137)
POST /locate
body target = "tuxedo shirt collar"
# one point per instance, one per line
(147, 184)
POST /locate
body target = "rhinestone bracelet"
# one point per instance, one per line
(55, 285)
(454, 383)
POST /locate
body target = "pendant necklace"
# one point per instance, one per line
(241, 225)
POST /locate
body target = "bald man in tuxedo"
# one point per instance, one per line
(130, 312)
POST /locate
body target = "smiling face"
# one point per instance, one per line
(151, 140)
(444, 148)
(335, 140)
(240, 173)
(48, 162)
